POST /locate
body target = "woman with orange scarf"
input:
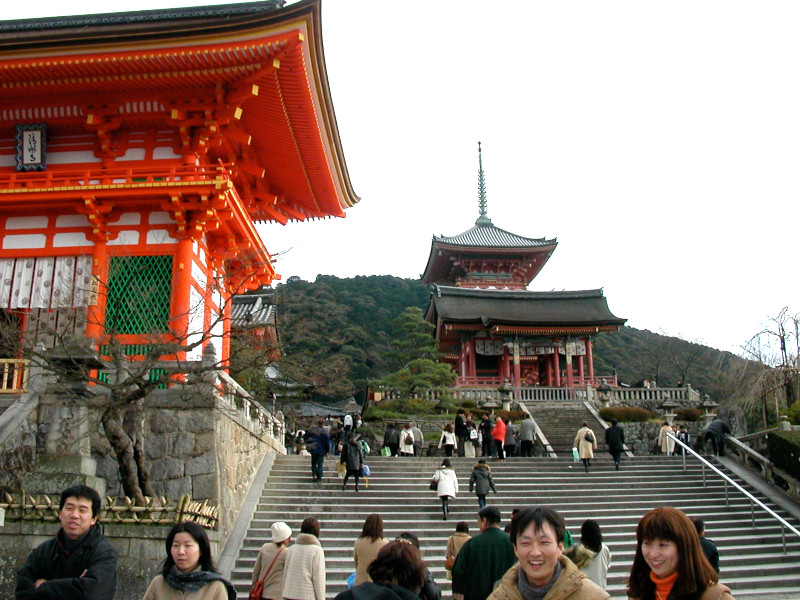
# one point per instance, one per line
(669, 563)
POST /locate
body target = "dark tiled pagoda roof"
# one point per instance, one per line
(486, 235)
(144, 21)
(512, 307)
(249, 311)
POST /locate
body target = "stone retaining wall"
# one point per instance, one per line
(198, 445)
(140, 549)
(640, 437)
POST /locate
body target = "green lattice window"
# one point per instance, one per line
(138, 294)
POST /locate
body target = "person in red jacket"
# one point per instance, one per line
(499, 436)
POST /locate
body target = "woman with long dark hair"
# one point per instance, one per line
(669, 563)
(367, 546)
(189, 572)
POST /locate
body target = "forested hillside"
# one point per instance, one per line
(335, 336)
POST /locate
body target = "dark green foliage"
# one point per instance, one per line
(335, 333)
(688, 414)
(625, 414)
(794, 414)
(784, 451)
(399, 408)
(336, 336)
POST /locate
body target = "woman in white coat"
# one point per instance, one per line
(304, 570)
(586, 443)
(446, 485)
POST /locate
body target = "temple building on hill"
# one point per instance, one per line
(491, 329)
(137, 153)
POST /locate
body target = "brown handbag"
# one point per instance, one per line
(449, 562)
(258, 586)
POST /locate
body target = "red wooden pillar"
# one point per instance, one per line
(505, 373)
(589, 357)
(580, 368)
(182, 281)
(556, 368)
(471, 366)
(96, 317)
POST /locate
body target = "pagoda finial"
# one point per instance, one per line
(483, 219)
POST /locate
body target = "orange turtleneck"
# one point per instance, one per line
(663, 586)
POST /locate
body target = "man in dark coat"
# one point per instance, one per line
(485, 427)
(485, 558)
(353, 459)
(709, 547)
(615, 440)
(78, 563)
(318, 443)
(715, 433)
(460, 429)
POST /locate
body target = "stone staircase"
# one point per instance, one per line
(560, 422)
(752, 559)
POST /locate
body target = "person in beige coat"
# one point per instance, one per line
(585, 447)
(367, 546)
(188, 572)
(543, 571)
(272, 558)
(454, 543)
(304, 570)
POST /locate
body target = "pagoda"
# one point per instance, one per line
(138, 152)
(491, 329)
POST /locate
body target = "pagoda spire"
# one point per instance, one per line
(483, 218)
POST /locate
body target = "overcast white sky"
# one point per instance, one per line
(658, 141)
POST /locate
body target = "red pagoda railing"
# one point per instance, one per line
(15, 182)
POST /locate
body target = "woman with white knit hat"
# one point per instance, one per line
(270, 561)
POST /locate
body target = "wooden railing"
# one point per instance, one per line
(124, 511)
(15, 373)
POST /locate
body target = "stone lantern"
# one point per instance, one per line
(67, 457)
(669, 406)
(506, 394)
(604, 394)
(708, 406)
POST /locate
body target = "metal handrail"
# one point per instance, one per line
(784, 524)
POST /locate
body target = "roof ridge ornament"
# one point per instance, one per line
(483, 218)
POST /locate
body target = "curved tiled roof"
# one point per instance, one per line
(250, 310)
(489, 236)
(495, 307)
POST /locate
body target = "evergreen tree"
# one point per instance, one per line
(414, 351)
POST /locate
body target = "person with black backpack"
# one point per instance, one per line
(586, 443)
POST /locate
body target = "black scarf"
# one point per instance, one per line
(194, 580)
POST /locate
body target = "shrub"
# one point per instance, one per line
(689, 414)
(794, 413)
(513, 415)
(468, 404)
(784, 451)
(378, 414)
(625, 414)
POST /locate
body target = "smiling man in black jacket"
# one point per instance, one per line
(78, 563)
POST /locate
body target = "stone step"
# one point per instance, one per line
(753, 557)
